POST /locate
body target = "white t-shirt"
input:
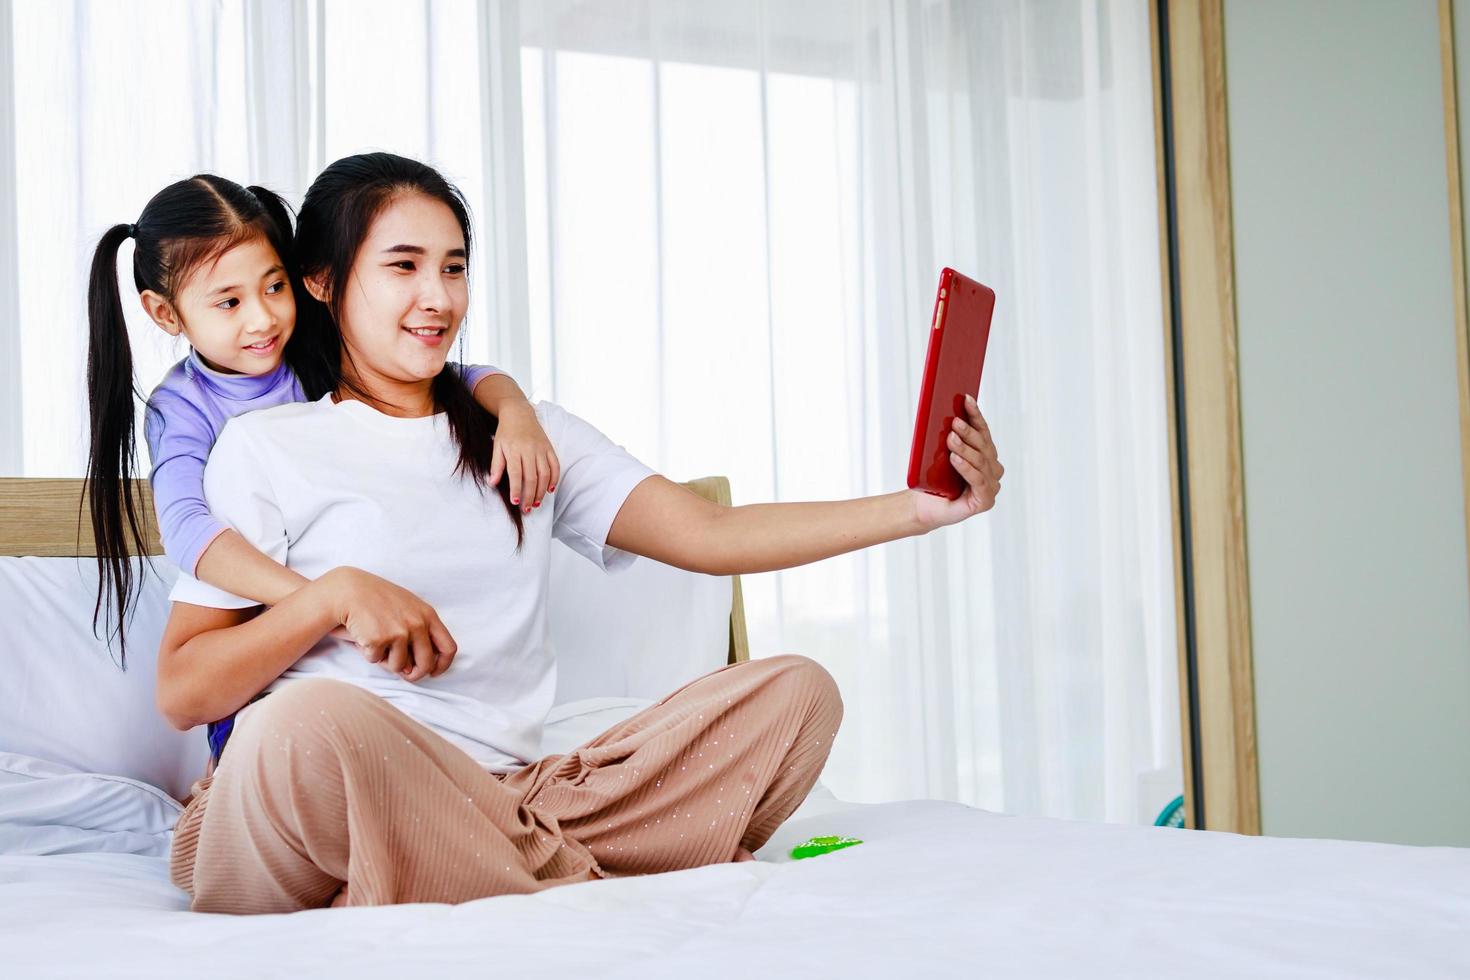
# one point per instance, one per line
(316, 485)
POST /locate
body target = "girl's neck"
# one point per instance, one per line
(213, 366)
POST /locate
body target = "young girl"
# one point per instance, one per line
(213, 262)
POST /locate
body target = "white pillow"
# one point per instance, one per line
(49, 808)
(65, 699)
(638, 633)
(641, 632)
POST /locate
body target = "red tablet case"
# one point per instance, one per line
(957, 340)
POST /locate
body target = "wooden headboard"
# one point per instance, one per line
(48, 518)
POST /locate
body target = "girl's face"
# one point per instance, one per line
(237, 310)
(406, 294)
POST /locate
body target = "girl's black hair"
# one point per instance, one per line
(335, 218)
(183, 226)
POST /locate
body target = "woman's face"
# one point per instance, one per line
(407, 293)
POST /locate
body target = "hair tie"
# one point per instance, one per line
(132, 231)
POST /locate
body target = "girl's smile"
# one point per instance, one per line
(236, 311)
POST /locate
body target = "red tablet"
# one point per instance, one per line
(962, 312)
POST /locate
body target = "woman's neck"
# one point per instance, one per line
(400, 399)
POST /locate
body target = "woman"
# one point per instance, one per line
(351, 784)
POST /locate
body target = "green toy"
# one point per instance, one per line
(813, 846)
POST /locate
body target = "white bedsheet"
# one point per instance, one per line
(937, 889)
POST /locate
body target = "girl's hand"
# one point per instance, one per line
(524, 453)
(392, 626)
(973, 454)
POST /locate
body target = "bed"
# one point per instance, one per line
(90, 780)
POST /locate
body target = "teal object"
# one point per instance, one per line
(1172, 815)
(813, 846)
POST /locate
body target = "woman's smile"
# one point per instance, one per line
(430, 336)
(407, 282)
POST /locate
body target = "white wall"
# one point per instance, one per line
(1350, 404)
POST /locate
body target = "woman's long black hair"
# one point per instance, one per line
(336, 215)
(183, 226)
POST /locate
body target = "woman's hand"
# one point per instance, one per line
(391, 625)
(973, 454)
(525, 454)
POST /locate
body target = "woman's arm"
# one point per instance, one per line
(212, 661)
(672, 524)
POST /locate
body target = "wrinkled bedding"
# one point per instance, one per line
(936, 889)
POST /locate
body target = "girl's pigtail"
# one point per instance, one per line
(112, 456)
(280, 215)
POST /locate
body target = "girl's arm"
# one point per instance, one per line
(231, 563)
(212, 661)
(180, 438)
(490, 396)
(522, 449)
(219, 650)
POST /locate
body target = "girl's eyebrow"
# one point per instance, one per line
(457, 253)
(264, 275)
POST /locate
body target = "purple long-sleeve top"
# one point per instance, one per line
(185, 415)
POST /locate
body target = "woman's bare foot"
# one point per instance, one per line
(741, 854)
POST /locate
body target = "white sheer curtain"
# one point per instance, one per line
(715, 230)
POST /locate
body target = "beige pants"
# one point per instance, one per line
(328, 795)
